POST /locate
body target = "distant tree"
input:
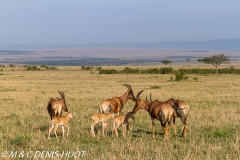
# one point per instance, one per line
(11, 65)
(166, 62)
(215, 60)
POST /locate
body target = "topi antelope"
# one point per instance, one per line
(116, 104)
(100, 117)
(181, 110)
(59, 121)
(122, 120)
(157, 110)
(55, 106)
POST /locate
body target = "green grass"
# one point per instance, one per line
(213, 122)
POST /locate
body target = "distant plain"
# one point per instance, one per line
(107, 56)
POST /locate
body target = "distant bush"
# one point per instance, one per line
(98, 68)
(51, 68)
(44, 66)
(108, 71)
(33, 68)
(230, 70)
(128, 70)
(195, 78)
(169, 70)
(166, 70)
(151, 71)
(86, 67)
(155, 87)
(11, 66)
(198, 71)
(180, 75)
(47, 67)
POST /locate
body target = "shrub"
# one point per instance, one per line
(166, 70)
(195, 78)
(11, 65)
(230, 70)
(179, 75)
(155, 87)
(44, 66)
(32, 68)
(98, 68)
(151, 71)
(108, 71)
(128, 70)
(86, 67)
(51, 68)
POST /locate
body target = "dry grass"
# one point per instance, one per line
(213, 131)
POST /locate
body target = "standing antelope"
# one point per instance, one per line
(181, 108)
(55, 106)
(157, 110)
(100, 117)
(122, 120)
(60, 121)
(116, 104)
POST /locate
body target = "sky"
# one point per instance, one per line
(117, 21)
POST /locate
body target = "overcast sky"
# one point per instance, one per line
(117, 21)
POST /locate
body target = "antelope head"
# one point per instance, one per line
(139, 103)
(64, 107)
(130, 94)
(128, 116)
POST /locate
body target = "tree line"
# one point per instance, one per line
(170, 70)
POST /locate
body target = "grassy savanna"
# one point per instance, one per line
(213, 121)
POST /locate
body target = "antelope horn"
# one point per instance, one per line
(150, 97)
(139, 94)
(62, 94)
(128, 86)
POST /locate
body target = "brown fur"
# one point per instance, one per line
(55, 106)
(157, 110)
(59, 121)
(116, 104)
(100, 117)
(181, 110)
(122, 120)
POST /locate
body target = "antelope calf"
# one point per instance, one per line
(122, 120)
(100, 117)
(59, 121)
